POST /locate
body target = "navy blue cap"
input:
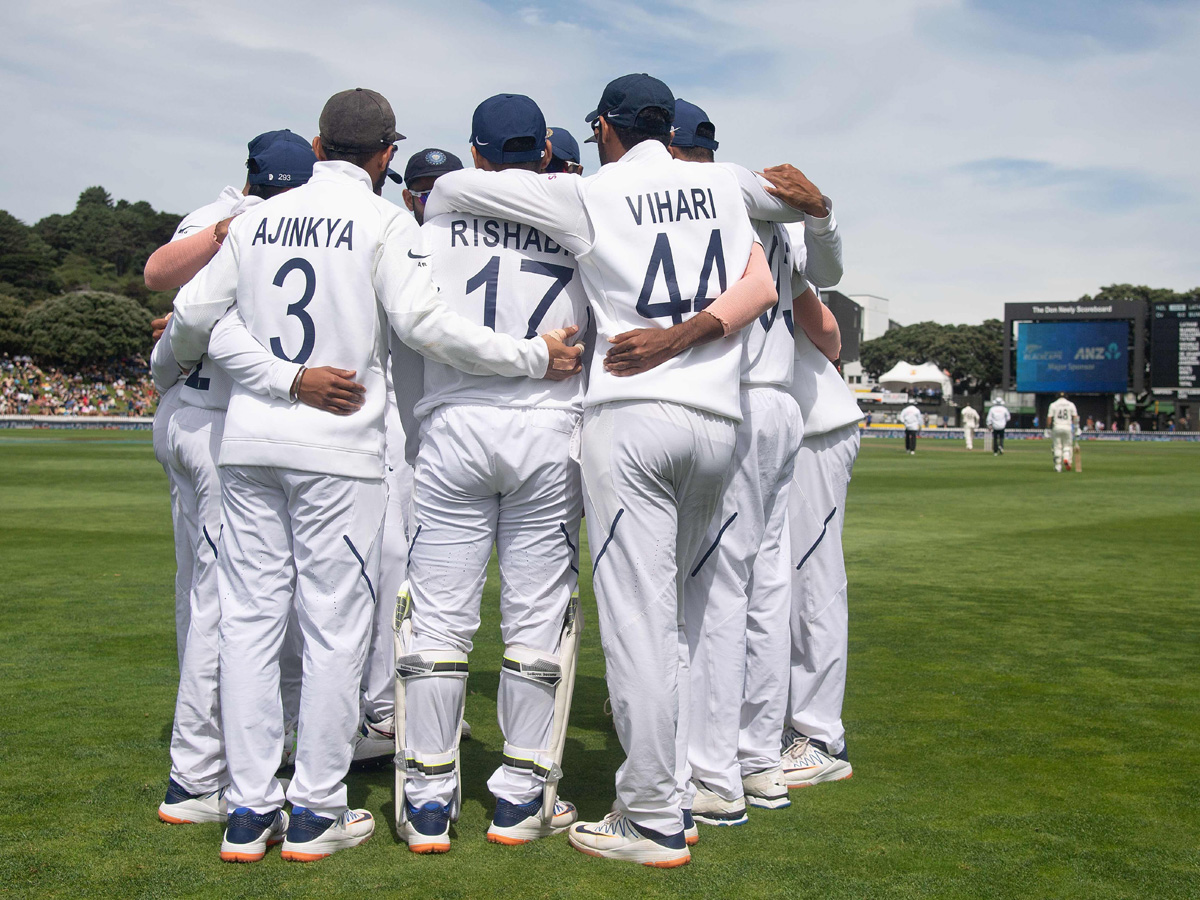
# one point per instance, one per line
(693, 127)
(280, 158)
(430, 163)
(625, 98)
(563, 145)
(499, 119)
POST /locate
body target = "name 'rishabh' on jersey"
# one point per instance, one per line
(515, 280)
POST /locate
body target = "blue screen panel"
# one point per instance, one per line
(1080, 357)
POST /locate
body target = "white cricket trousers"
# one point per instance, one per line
(969, 434)
(1063, 440)
(484, 476)
(315, 537)
(379, 674)
(197, 750)
(181, 519)
(652, 477)
(820, 616)
(725, 607)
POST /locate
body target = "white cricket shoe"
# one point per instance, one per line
(513, 824)
(182, 807)
(248, 834)
(691, 833)
(807, 761)
(766, 790)
(375, 740)
(710, 808)
(616, 837)
(311, 837)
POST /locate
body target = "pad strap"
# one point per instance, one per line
(540, 763)
(534, 665)
(442, 662)
(429, 764)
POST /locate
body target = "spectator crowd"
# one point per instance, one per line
(116, 389)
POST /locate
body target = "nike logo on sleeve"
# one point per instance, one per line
(412, 255)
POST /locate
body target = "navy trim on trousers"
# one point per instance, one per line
(562, 526)
(204, 528)
(820, 538)
(611, 531)
(720, 534)
(362, 566)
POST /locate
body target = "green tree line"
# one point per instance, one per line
(71, 286)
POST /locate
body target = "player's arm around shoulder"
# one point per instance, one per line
(201, 302)
(405, 288)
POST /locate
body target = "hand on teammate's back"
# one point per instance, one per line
(644, 348)
(330, 389)
(795, 190)
(565, 359)
(158, 326)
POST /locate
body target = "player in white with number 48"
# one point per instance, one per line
(1064, 419)
(494, 467)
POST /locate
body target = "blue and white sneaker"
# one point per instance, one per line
(427, 830)
(184, 808)
(513, 824)
(248, 834)
(807, 761)
(691, 834)
(311, 837)
(710, 808)
(616, 837)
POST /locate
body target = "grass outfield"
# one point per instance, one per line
(1023, 707)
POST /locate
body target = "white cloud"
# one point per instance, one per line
(970, 162)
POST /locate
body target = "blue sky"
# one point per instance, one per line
(977, 151)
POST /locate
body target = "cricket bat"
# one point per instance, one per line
(1077, 452)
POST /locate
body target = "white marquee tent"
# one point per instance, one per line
(905, 376)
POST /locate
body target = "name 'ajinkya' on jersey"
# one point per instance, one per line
(656, 240)
(515, 280)
(318, 274)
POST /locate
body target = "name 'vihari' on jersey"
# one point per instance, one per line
(306, 231)
(663, 209)
(493, 233)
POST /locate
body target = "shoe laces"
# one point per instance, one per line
(798, 747)
(617, 824)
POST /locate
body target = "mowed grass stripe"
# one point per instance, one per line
(1023, 705)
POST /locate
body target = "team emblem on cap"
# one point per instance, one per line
(549, 133)
(435, 157)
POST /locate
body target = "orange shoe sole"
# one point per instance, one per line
(506, 841)
(241, 857)
(171, 820)
(429, 848)
(692, 841)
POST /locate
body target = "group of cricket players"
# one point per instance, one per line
(360, 400)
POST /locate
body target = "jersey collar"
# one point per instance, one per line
(340, 170)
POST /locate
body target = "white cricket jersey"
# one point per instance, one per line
(998, 416)
(970, 418)
(911, 418)
(656, 240)
(208, 385)
(209, 214)
(515, 280)
(318, 273)
(825, 400)
(1062, 414)
(767, 347)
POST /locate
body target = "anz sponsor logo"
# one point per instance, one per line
(1112, 351)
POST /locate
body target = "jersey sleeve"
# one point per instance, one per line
(823, 249)
(164, 368)
(553, 204)
(420, 319)
(248, 362)
(201, 302)
(760, 204)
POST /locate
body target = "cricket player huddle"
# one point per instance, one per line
(358, 403)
